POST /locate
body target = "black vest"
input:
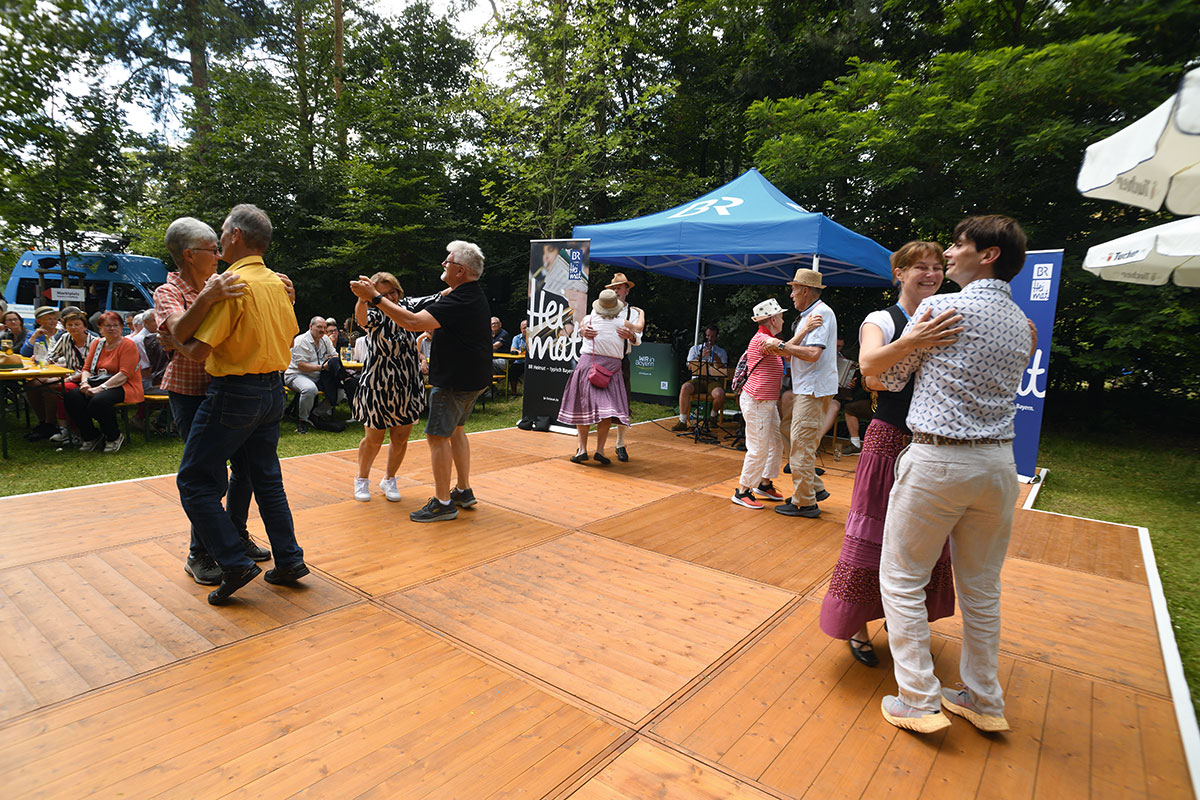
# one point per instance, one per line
(892, 407)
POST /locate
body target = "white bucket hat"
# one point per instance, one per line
(607, 304)
(766, 309)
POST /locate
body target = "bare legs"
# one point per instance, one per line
(446, 453)
(372, 440)
(602, 428)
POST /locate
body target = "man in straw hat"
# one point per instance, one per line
(813, 351)
(631, 333)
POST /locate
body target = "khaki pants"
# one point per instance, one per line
(808, 415)
(966, 492)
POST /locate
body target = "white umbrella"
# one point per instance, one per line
(1151, 256)
(1155, 159)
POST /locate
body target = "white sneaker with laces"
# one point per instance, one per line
(63, 435)
(87, 447)
(362, 490)
(115, 444)
(388, 485)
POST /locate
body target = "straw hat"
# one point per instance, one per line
(72, 312)
(807, 277)
(42, 311)
(766, 309)
(607, 305)
(618, 279)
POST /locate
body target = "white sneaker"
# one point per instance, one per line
(362, 489)
(388, 485)
(63, 435)
(88, 447)
(115, 444)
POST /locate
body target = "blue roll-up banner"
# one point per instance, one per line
(1035, 290)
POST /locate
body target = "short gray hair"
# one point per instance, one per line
(316, 319)
(254, 224)
(468, 255)
(186, 233)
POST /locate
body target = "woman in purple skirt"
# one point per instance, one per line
(595, 392)
(853, 596)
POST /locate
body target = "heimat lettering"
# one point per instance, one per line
(1144, 188)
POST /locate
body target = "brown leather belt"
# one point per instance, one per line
(932, 438)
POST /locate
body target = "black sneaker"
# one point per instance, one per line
(821, 495)
(203, 569)
(434, 511)
(255, 552)
(787, 469)
(230, 583)
(302, 426)
(463, 498)
(281, 576)
(790, 509)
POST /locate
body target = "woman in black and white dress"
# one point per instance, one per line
(391, 388)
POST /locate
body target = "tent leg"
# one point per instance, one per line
(699, 303)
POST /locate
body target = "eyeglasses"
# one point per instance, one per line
(216, 251)
(449, 263)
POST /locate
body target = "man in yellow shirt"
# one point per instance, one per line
(246, 343)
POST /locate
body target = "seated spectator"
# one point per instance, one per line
(69, 351)
(315, 367)
(702, 358)
(46, 332)
(516, 369)
(499, 345)
(337, 337)
(44, 404)
(138, 337)
(110, 375)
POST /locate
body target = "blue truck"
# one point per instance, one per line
(93, 281)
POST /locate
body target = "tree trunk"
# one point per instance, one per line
(338, 68)
(306, 122)
(198, 54)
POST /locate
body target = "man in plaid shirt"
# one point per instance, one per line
(194, 248)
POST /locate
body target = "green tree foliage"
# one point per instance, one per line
(999, 131)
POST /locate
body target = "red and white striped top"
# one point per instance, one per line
(766, 375)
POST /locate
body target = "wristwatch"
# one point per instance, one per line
(374, 301)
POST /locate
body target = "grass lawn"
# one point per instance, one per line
(1123, 476)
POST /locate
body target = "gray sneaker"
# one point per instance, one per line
(463, 498)
(962, 702)
(790, 509)
(92, 446)
(115, 444)
(434, 511)
(203, 570)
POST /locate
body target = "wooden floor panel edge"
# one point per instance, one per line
(667, 744)
(594, 766)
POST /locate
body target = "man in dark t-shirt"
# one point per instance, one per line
(460, 368)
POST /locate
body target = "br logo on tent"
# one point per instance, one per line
(700, 206)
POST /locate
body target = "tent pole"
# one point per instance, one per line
(699, 302)
(816, 262)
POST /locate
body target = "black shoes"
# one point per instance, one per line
(434, 511)
(231, 582)
(281, 576)
(579, 458)
(41, 431)
(302, 426)
(790, 509)
(821, 495)
(787, 469)
(622, 455)
(203, 569)
(255, 552)
(601, 458)
(863, 652)
(463, 498)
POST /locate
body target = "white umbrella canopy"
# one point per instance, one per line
(1152, 257)
(1154, 160)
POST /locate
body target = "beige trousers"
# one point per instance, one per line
(808, 415)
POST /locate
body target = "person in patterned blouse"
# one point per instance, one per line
(957, 479)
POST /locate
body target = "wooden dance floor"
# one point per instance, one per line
(585, 632)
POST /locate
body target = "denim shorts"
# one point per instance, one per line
(448, 409)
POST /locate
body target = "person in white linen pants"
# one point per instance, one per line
(957, 479)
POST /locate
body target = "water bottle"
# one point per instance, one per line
(39, 353)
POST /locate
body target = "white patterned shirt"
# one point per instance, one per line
(966, 390)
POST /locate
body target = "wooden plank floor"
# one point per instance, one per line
(591, 633)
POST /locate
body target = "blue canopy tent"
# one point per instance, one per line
(745, 232)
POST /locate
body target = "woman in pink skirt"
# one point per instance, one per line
(853, 596)
(595, 392)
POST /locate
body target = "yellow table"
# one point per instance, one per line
(12, 380)
(508, 359)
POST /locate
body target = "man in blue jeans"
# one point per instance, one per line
(247, 343)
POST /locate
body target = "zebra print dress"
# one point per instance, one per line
(391, 389)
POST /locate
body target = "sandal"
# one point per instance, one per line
(864, 652)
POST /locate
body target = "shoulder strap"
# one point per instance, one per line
(899, 320)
